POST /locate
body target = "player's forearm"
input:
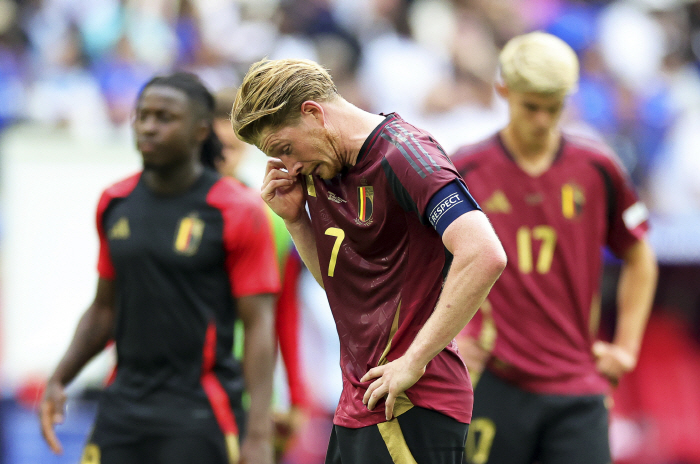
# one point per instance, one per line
(305, 243)
(258, 367)
(476, 265)
(94, 330)
(635, 296)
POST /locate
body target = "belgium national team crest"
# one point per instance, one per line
(189, 235)
(365, 204)
(572, 200)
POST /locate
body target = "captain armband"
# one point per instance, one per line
(449, 203)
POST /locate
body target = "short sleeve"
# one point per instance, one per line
(105, 268)
(416, 167)
(628, 216)
(250, 251)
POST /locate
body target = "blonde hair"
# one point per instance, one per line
(539, 62)
(272, 93)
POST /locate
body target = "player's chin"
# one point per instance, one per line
(153, 158)
(325, 172)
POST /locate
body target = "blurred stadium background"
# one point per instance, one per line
(70, 71)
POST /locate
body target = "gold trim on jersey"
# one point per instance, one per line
(310, 187)
(402, 403)
(497, 203)
(120, 230)
(594, 322)
(91, 454)
(395, 442)
(189, 235)
(392, 332)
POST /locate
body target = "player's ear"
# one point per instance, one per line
(314, 109)
(202, 130)
(501, 89)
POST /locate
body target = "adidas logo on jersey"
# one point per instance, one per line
(120, 230)
(497, 203)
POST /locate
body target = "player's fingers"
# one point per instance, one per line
(275, 174)
(369, 391)
(273, 163)
(268, 191)
(373, 373)
(389, 405)
(47, 419)
(599, 348)
(377, 394)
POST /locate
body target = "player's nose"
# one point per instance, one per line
(294, 168)
(543, 119)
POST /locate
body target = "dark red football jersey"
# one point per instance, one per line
(383, 266)
(546, 304)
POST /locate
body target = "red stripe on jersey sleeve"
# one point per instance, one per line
(250, 251)
(121, 189)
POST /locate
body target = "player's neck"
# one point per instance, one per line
(172, 180)
(533, 158)
(354, 125)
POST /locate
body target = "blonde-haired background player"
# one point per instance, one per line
(554, 200)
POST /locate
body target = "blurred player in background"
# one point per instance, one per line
(387, 215)
(287, 318)
(555, 200)
(183, 253)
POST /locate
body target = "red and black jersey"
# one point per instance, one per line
(546, 304)
(179, 263)
(383, 266)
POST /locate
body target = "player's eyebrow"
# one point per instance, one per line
(272, 146)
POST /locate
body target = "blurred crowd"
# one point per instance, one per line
(79, 64)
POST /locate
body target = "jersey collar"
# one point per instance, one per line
(369, 141)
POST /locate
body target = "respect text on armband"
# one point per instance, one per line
(443, 207)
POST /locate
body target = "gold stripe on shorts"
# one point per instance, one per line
(395, 442)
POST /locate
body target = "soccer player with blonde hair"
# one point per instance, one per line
(555, 201)
(402, 250)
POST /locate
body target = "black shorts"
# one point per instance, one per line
(187, 449)
(512, 426)
(417, 436)
(202, 441)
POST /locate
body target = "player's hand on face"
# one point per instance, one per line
(282, 191)
(613, 361)
(393, 379)
(257, 450)
(50, 413)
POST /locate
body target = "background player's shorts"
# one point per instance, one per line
(417, 436)
(202, 441)
(187, 449)
(512, 426)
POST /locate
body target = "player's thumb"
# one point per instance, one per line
(599, 348)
